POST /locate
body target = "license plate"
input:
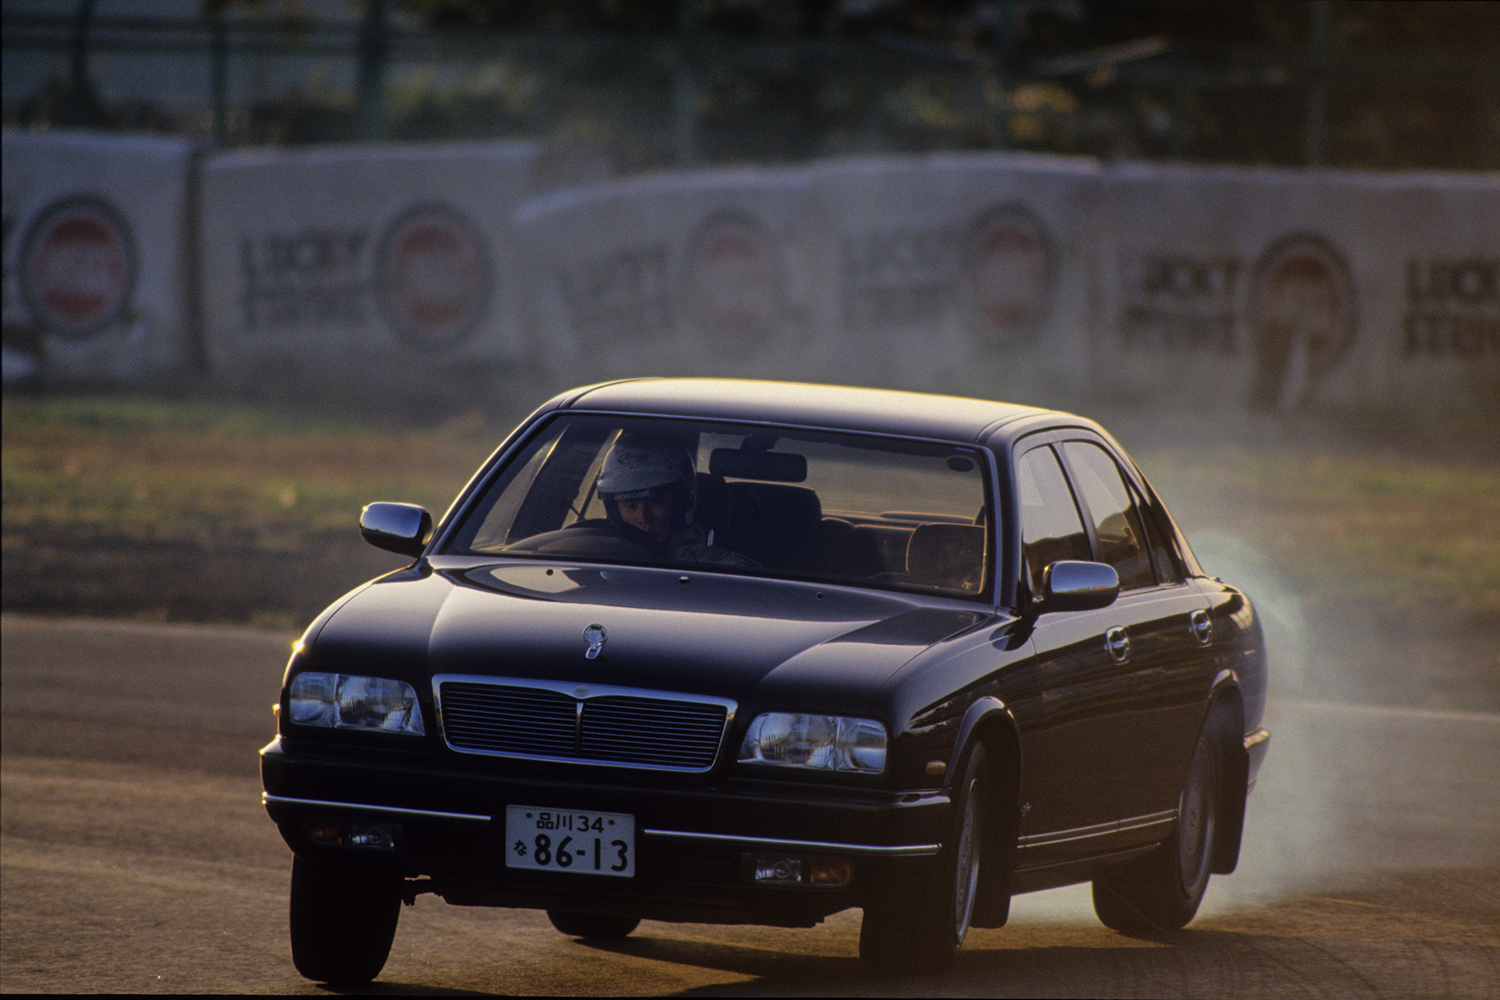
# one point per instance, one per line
(556, 840)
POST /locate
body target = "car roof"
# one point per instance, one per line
(875, 411)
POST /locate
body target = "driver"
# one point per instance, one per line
(651, 485)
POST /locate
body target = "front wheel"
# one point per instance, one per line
(1162, 890)
(924, 935)
(343, 920)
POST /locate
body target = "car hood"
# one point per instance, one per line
(752, 640)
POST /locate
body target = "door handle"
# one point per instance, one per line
(1202, 627)
(1117, 641)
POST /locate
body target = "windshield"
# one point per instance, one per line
(787, 502)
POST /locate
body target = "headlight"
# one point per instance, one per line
(345, 701)
(819, 742)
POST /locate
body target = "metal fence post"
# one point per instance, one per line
(1489, 131)
(218, 78)
(685, 87)
(78, 110)
(370, 98)
(1317, 97)
(1005, 18)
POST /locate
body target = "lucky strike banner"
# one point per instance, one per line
(703, 272)
(957, 273)
(953, 273)
(1005, 275)
(372, 268)
(369, 264)
(96, 285)
(1281, 288)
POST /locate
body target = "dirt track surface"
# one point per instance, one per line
(135, 856)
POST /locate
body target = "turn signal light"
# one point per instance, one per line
(831, 872)
(323, 829)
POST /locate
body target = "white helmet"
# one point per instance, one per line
(639, 466)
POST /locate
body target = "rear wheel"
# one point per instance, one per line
(924, 935)
(593, 926)
(1162, 890)
(343, 920)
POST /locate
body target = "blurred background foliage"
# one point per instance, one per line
(1372, 84)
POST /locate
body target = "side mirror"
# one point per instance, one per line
(1069, 585)
(404, 528)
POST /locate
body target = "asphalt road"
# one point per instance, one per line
(135, 857)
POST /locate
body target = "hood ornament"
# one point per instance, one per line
(594, 635)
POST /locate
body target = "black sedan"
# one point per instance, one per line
(748, 652)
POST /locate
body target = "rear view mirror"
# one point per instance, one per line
(767, 466)
(1071, 585)
(404, 528)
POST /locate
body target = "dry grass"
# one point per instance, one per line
(1408, 534)
(214, 475)
(128, 505)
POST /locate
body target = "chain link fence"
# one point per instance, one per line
(699, 98)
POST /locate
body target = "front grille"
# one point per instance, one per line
(600, 725)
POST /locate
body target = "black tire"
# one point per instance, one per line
(343, 920)
(925, 934)
(1162, 891)
(593, 926)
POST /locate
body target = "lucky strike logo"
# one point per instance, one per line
(1452, 308)
(78, 266)
(430, 278)
(1293, 309)
(997, 273)
(733, 283)
(1302, 311)
(1008, 275)
(433, 278)
(725, 280)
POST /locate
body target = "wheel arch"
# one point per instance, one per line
(1225, 719)
(989, 723)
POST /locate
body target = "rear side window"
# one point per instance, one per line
(1050, 525)
(1117, 519)
(1168, 565)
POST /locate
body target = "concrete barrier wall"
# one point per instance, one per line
(434, 269)
(363, 268)
(96, 280)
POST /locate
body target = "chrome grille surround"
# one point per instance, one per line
(590, 724)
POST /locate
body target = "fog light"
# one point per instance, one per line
(363, 833)
(778, 870)
(829, 872)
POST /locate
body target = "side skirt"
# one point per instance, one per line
(1071, 872)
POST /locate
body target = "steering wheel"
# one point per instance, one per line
(594, 538)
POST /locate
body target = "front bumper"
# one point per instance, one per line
(695, 842)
